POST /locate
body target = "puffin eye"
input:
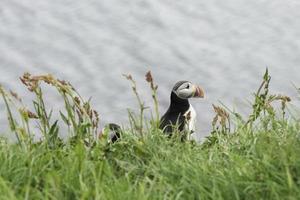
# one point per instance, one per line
(188, 86)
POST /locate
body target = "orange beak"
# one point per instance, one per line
(198, 92)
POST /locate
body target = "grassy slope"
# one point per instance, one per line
(245, 165)
(259, 161)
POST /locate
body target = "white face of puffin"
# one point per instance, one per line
(188, 90)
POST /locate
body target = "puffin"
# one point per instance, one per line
(181, 113)
(111, 132)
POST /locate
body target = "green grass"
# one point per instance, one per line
(255, 158)
(245, 165)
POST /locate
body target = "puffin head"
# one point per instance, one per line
(186, 90)
(111, 132)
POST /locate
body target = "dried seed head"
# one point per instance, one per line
(15, 95)
(96, 119)
(220, 114)
(32, 115)
(220, 111)
(48, 80)
(96, 114)
(30, 82)
(76, 99)
(128, 77)
(23, 80)
(285, 98)
(26, 75)
(149, 77)
(63, 82)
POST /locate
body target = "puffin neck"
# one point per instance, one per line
(178, 104)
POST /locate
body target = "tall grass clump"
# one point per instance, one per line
(139, 122)
(254, 157)
(79, 117)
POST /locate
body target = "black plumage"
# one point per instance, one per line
(115, 133)
(175, 114)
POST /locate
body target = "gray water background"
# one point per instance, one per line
(224, 46)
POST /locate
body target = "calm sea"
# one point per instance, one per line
(224, 46)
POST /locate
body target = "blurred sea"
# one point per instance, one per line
(224, 46)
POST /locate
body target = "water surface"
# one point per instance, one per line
(224, 46)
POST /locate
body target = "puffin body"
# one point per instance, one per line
(181, 113)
